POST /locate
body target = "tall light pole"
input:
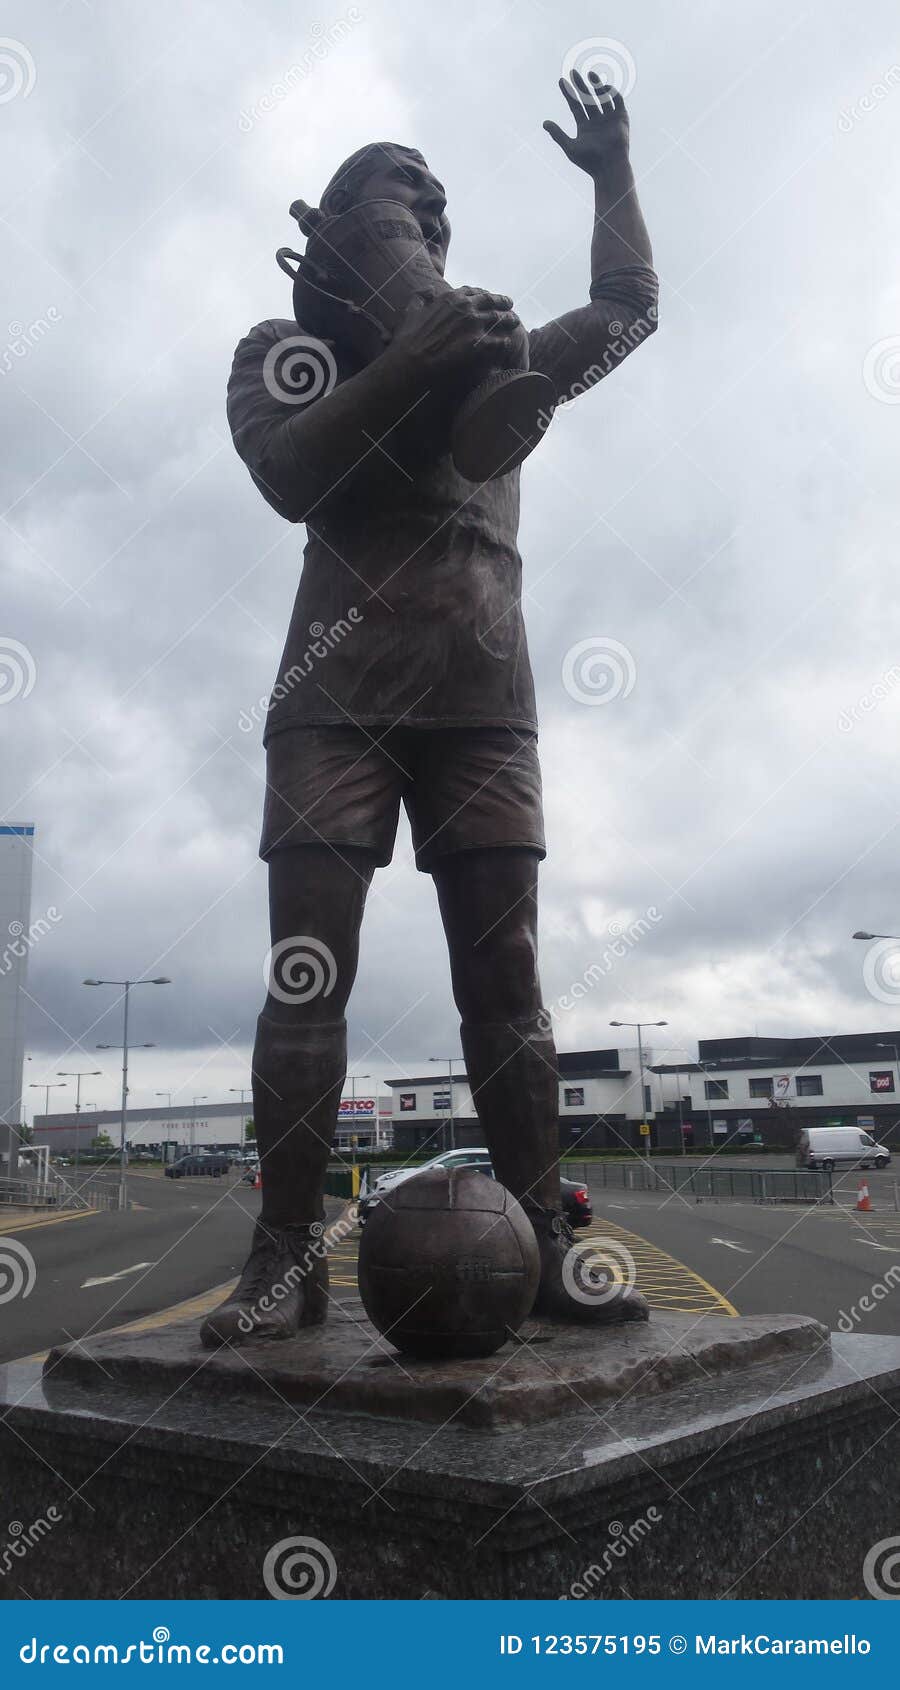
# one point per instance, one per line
(353, 1080)
(161, 980)
(78, 1074)
(242, 1091)
(449, 1061)
(202, 1098)
(640, 1025)
(46, 1088)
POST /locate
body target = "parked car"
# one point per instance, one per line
(215, 1163)
(840, 1147)
(576, 1199)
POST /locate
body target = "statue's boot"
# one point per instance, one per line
(514, 1078)
(284, 1286)
(298, 1075)
(579, 1283)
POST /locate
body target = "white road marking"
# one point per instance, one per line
(108, 1279)
(891, 1248)
(730, 1245)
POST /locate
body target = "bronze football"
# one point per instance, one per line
(448, 1264)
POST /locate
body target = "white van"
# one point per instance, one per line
(840, 1147)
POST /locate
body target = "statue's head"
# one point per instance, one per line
(386, 171)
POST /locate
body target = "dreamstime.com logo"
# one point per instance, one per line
(299, 1569)
(18, 1270)
(18, 670)
(320, 1243)
(598, 1269)
(157, 1650)
(23, 939)
(881, 370)
(606, 58)
(18, 72)
(881, 971)
(20, 1539)
(622, 939)
(598, 670)
(322, 641)
(323, 39)
(620, 1540)
(299, 369)
(299, 968)
(868, 1302)
(881, 1570)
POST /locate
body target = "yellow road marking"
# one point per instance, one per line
(51, 1220)
(666, 1282)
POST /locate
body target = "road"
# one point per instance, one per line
(784, 1260)
(184, 1237)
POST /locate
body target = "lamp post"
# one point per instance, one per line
(353, 1080)
(46, 1087)
(202, 1098)
(161, 980)
(78, 1074)
(881, 1045)
(242, 1091)
(452, 1123)
(640, 1025)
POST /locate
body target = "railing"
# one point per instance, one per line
(704, 1184)
(712, 1184)
(58, 1194)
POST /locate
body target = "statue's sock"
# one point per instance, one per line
(298, 1076)
(513, 1074)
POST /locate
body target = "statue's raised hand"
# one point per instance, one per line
(601, 124)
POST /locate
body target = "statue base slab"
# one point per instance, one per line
(689, 1457)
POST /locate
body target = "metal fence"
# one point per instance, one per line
(709, 1183)
(58, 1194)
(703, 1184)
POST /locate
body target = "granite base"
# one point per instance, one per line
(724, 1458)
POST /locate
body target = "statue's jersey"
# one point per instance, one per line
(409, 604)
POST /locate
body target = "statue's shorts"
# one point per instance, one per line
(464, 789)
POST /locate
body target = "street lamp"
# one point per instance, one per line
(78, 1074)
(449, 1061)
(242, 1090)
(640, 1025)
(202, 1098)
(354, 1136)
(46, 1087)
(160, 980)
(862, 934)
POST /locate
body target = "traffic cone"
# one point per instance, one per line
(257, 1182)
(863, 1203)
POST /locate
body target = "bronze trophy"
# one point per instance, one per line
(360, 270)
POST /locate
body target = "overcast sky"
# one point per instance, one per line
(725, 507)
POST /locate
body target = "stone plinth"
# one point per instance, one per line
(688, 1458)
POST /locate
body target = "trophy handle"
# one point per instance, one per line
(326, 313)
(281, 259)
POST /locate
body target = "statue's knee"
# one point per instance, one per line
(498, 979)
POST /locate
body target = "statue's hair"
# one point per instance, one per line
(349, 179)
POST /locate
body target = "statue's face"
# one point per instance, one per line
(410, 182)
